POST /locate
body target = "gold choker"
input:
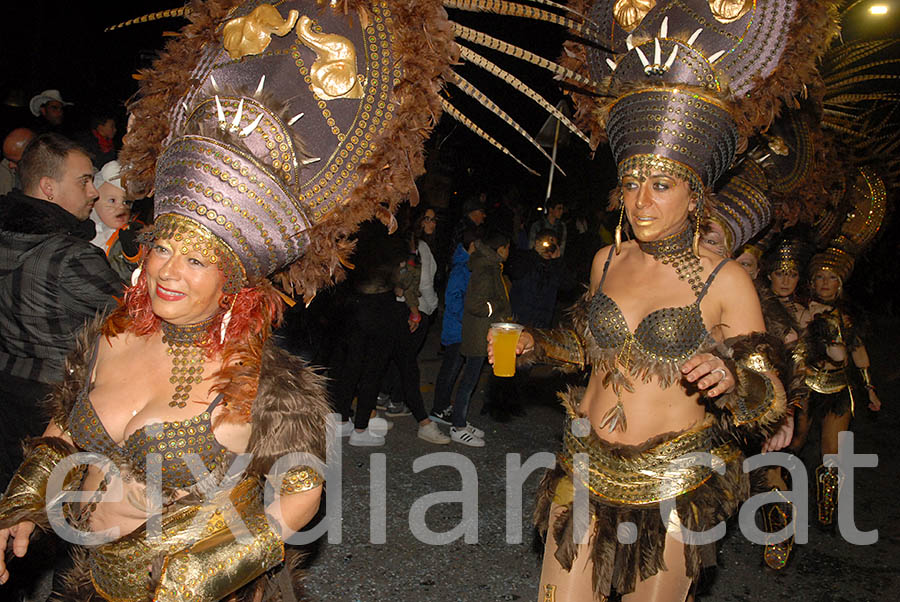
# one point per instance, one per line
(677, 250)
(184, 346)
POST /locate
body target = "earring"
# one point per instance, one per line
(695, 245)
(226, 320)
(619, 226)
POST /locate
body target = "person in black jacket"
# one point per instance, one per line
(537, 275)
(52, 280)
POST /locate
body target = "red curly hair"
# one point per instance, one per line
(254, 311)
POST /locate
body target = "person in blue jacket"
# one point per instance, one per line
(451, 329)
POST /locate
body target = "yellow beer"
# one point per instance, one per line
(505, 336)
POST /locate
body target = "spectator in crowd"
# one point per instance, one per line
(473, 217)
(536, 276)
(451, 328)
(13, 145)
(487, 301)
(48, 110)
(116, 232)
(552, 221)
(100, 140)
(419, 302)
(52, 280)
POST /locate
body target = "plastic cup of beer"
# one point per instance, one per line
(505, 336)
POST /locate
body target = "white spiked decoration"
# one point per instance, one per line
(249, 129)
(629, 43)
(295, 118)
(184, 106)
(643, 58)
(223, 328)
(310, 160)
(612, 64)
(671, 60)
(220, 113)
(236, 124)
(694, 37)
(135, 276)
(215, 85)
(259, 88)
(664, 28)
(716, 56)
(657, 52)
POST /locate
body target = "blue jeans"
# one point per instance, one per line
(443, 387)
(471, 374)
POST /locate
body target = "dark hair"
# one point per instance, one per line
(469, 236)
(44, 157)
(101, 117)
(546, 233)
(496, 239)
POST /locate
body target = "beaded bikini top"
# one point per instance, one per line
(661, 343)
(171, 440)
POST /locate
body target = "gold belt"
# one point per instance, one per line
(663, 471)
(826, 381)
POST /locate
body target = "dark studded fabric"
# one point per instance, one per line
(171, 440)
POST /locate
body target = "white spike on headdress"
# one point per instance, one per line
(716, 56)
(694, 37)
(612, 64)
(249, 129)
(215, 85)
(237, 117)
(294, 119)
(671, 60)
(220, 112)
(262, 82)
(657, 52)
(311, 160)
(628, 43)
(664, 28)
(642, 56)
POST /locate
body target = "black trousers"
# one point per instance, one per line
(370, 338)
(23, 417)
(403, 377)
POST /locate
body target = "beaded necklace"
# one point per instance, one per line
(677, 250)
(184, 345)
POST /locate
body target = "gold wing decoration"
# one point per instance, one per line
(251, 34)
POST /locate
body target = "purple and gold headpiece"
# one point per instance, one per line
(686, 80)
(741, 205)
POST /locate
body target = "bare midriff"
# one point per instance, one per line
(650, 410)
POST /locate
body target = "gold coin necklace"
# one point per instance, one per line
(184, 346)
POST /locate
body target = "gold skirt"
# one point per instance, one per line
(626, 485)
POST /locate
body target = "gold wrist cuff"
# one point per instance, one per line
(757, 397)
(866, 377)
(26, 493)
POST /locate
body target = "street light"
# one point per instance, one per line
(878, 9)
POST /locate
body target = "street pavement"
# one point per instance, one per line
(388, 552)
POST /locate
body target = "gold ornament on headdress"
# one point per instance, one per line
(333, 74)
(252, 34)
(729, 11)
(630, 13)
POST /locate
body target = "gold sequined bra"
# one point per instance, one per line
(171, 440)
(670, 335)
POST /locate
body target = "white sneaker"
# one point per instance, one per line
(465, 437)
(366, 438)
(431, 433)
(477, 432)
(380, 426)
(345, 428)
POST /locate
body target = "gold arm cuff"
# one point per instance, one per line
(757, 397)
(221, 562)
(300, 478)
(27, 490)
(866, 377)
(561, 347)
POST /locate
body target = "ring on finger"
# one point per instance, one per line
(720, 371)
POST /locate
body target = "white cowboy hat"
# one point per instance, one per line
(43, 98)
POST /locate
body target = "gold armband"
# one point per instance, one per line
(866, 378)
(222, 562)
(300, 478)
(26, 493)
(758, 396)
(560, 347)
